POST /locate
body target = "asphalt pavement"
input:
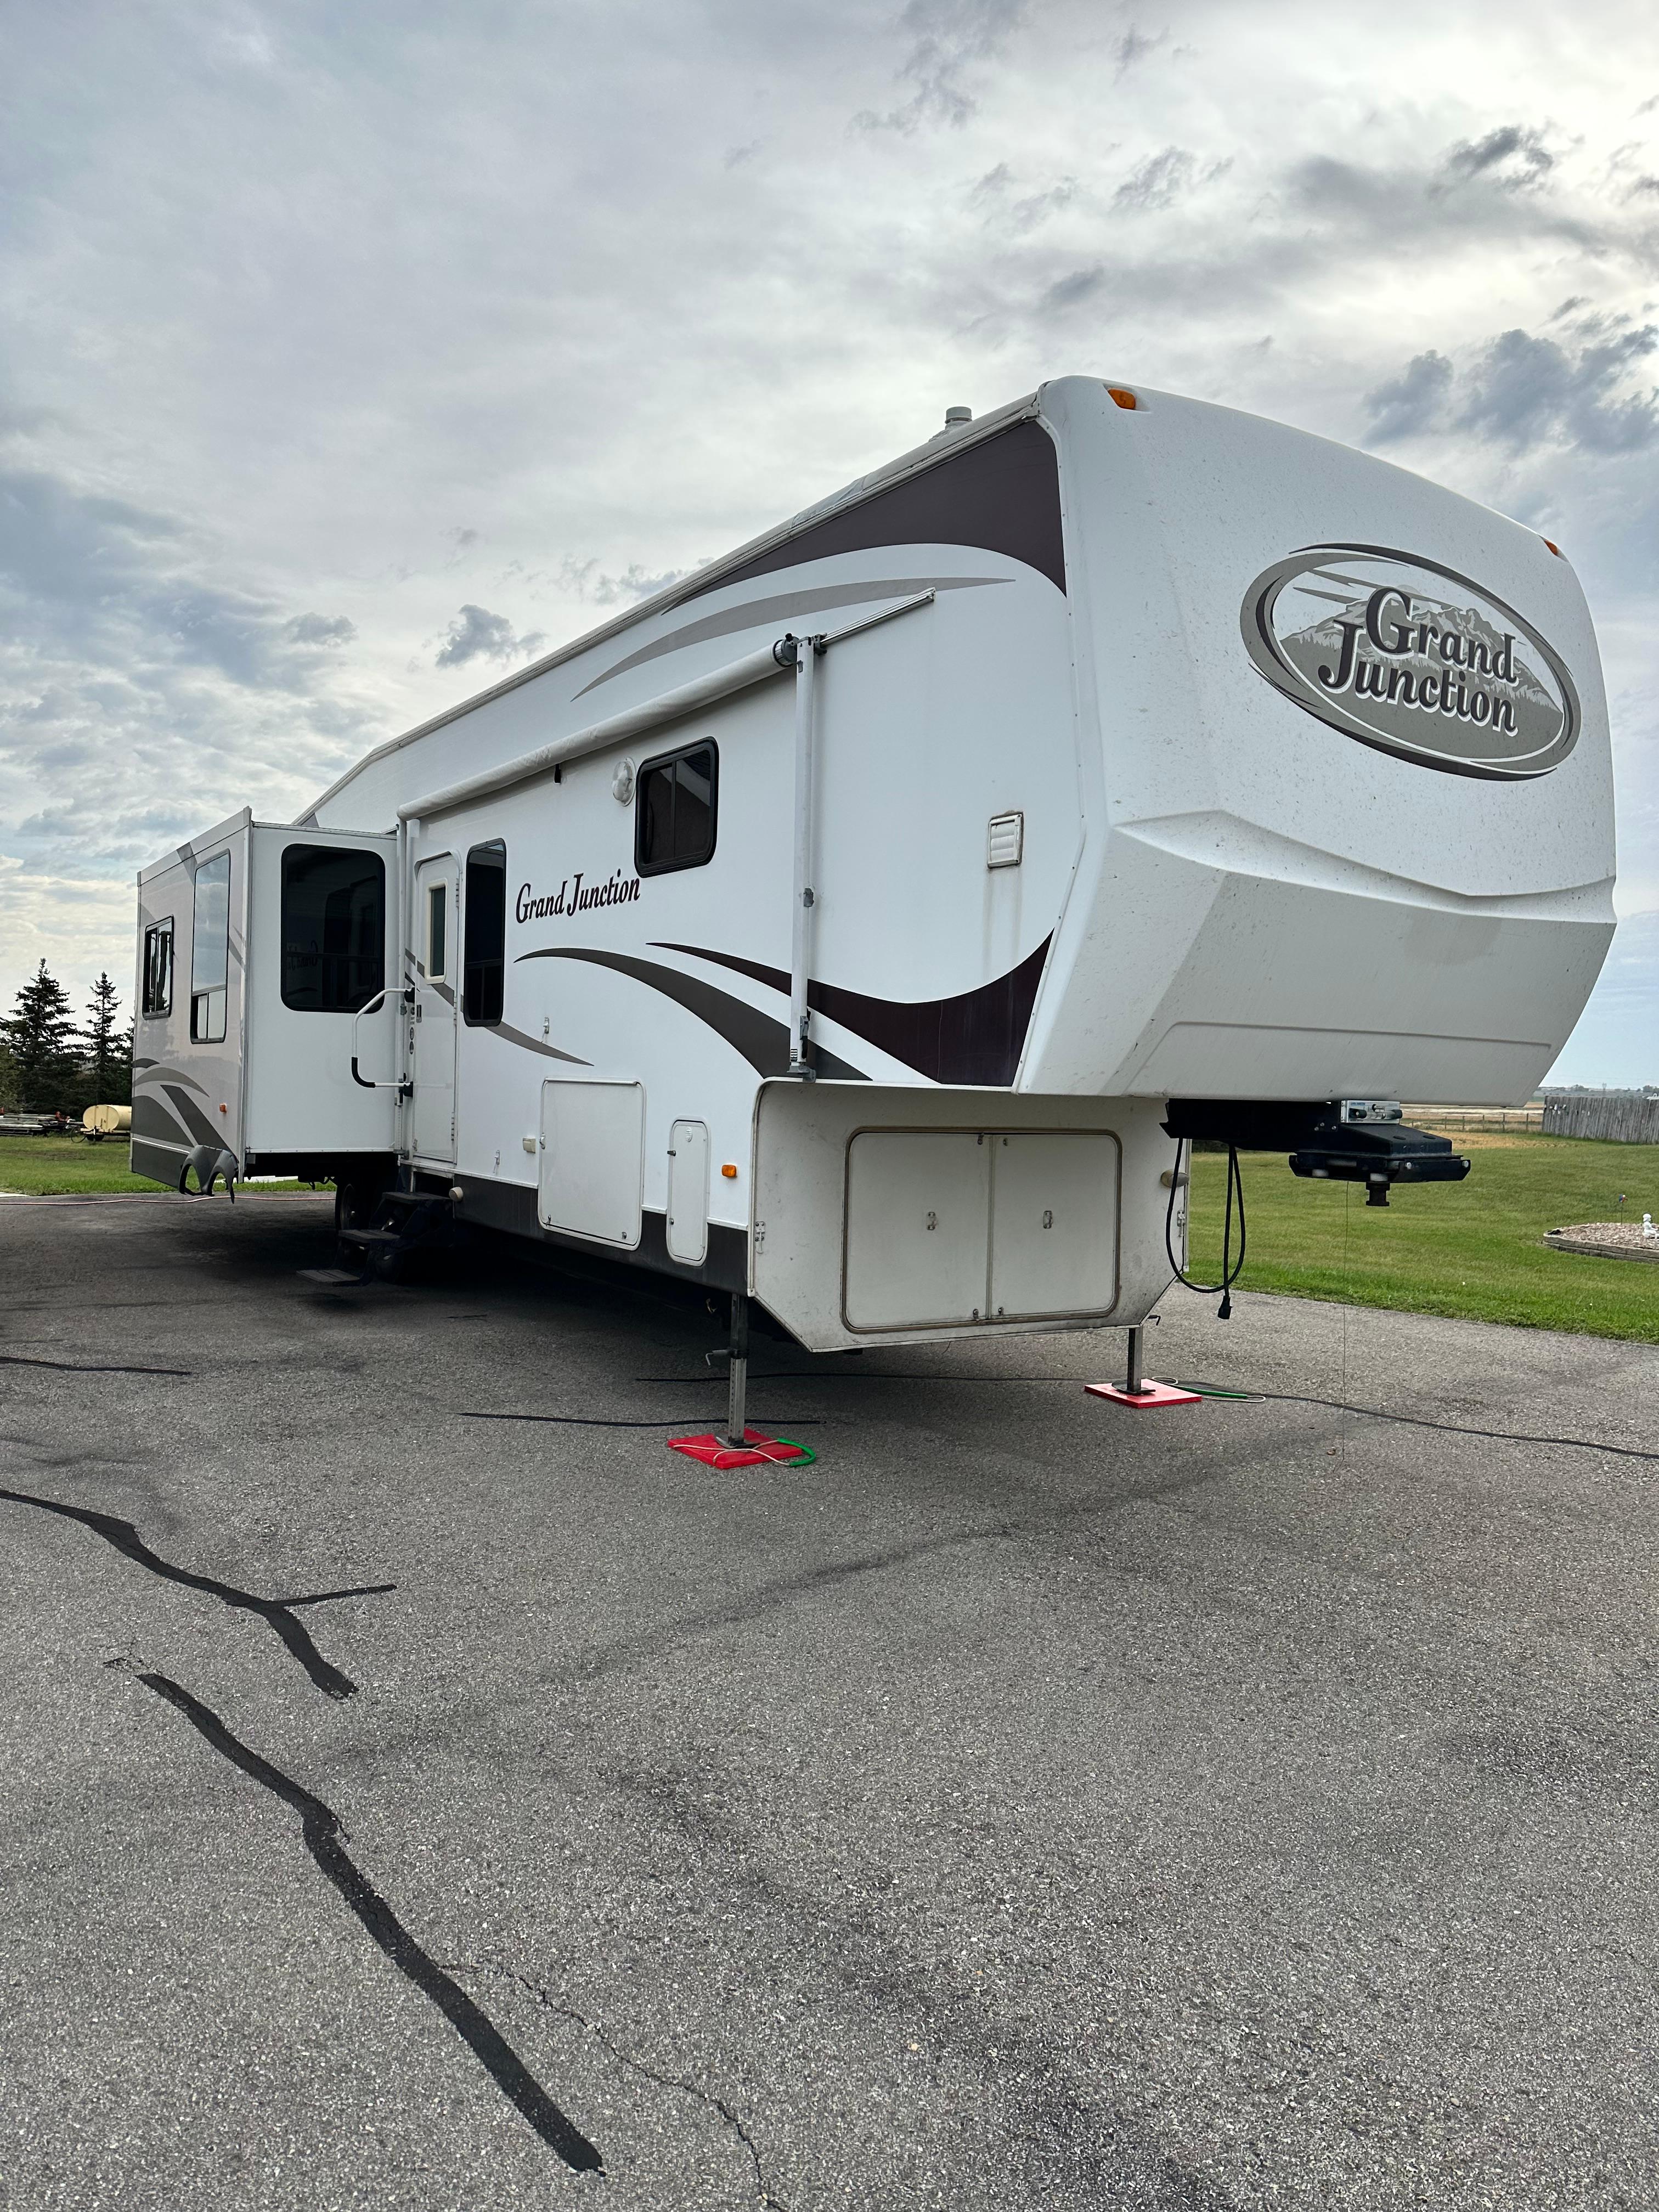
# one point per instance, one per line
(422, 1789)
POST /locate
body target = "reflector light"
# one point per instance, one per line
(1555, 548)
(729, 1172)
(1128, 398)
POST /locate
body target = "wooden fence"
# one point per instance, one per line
(1622, 1117)
(1455, 1118)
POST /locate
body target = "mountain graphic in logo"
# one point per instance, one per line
(1411, 658)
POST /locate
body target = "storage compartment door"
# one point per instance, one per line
(1053, 1224)
(593, 1160)
(917, 1225)
(688, 1192)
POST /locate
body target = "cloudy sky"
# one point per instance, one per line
(352, 356)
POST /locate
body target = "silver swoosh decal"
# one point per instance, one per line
(782, 608)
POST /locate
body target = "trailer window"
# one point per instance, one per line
(158, 969)
(333, 929)
(675, 810)
(437, 915)
(483, 921)
(209, 953)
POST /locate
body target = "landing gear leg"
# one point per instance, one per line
(1136, 1391)
(738, 1400)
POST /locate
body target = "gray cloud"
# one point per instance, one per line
(1071, 291)
(144, 694)
(590, 583)
(948, 35)
(475, 634)
(1523, 392)
(1134, 46)
(1158, 180)
(319, 630)
(1411, 403)
(1515, 158)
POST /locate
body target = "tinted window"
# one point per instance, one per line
(209, 952)
(674, 811)
(333, 929)
(158, 969)
(484, 924)
(437, 951)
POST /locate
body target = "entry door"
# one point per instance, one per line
(437, 964)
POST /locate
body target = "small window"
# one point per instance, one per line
(437, 931)
(158, 969)
(674, 811)
(484, 928)
(333, 929)
(209, 953)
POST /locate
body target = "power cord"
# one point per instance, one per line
(1230, 1271)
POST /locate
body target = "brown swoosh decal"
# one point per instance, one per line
(1002, 495)
(975, 1037)
(764, 1042)
(151, 1119)
(194, 1120)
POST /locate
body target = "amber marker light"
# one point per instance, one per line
(1555, 548)
(729, 1172)
(1123, 398)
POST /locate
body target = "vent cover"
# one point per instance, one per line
(1005, 841)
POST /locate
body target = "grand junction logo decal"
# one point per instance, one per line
(1413, 658)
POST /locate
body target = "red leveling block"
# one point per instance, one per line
(1135, 1390)
(755, 1450)
(1150, 1394)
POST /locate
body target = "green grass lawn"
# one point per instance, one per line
(46, 1167)
(1472, 1249)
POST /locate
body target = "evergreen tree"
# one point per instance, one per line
(43, 1040)
(109, 1050)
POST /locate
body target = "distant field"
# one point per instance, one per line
(47, 1167)
(1471, 1249)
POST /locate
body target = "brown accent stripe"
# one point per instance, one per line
(764, 1042)
(1002, 495)
(977, 1038)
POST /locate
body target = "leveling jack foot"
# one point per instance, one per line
(1150, 1394)
(1136, 1391)
(755, 1450)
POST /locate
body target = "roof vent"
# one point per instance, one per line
(956, 416)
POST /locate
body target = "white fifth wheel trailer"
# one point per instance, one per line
(858, 924)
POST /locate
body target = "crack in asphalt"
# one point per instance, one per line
(321, 1830)
(327, 1597)
(86, 1367)
(564, 2009)
(274, 1611)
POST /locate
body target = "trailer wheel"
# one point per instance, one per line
(354, 1203)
